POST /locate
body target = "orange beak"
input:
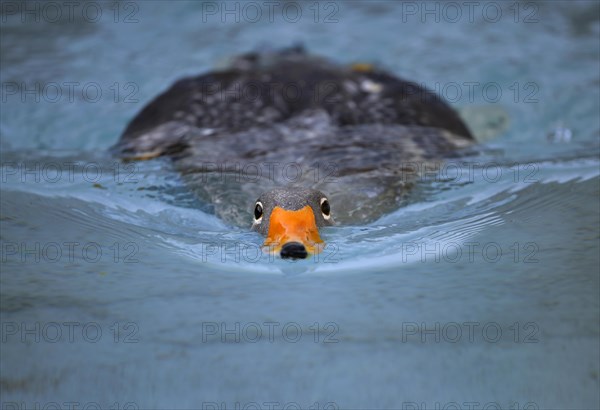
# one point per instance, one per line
(293, 226)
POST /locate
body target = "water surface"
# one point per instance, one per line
(483, 289)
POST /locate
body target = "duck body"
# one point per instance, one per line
(291, 119)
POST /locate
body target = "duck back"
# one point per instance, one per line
(291, 118)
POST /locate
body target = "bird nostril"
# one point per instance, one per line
(293, 250)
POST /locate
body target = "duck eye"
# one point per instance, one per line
(258, 211)
(325, 207)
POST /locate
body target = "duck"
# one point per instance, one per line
(264, 138)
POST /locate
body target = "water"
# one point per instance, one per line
(483, 289)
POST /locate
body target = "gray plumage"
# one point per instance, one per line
(350, 132)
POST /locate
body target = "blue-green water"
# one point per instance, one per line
(117, 290)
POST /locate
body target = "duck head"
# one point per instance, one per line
(290, 219)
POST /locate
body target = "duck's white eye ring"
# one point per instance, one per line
(325, 209)
(258, 211)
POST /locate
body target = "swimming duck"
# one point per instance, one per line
(294, 126)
